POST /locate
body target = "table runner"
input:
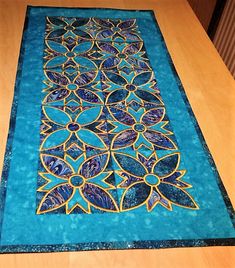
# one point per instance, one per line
(104, 151)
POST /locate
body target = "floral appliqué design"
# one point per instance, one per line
(106, 143)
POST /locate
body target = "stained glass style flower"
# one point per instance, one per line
(158, 184)
(59, 27)
(125, 30)
(83, 87)
(78, 126)
(119, 55)
(140, 87)
(76, 184)
(59, 54)
(101, 99)
(140, 128)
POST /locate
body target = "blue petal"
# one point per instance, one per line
(56, 115)
(56, 46)
(135, 195)
(117, 96)
(147, 96)
(56, 21)
(116, 78)
(80, 22)
(56, 33)
(90, 138)
(82, 47)
(142, 78)
(55, 139)
(130, 165)
(56, 61)
(88, 116)
(177, 195)
(166, 165)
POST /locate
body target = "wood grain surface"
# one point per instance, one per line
(211, 92)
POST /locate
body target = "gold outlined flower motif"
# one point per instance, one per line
(77, 184)
(68, 126)
(138, 86)
(155, 185)
(83, 87)
(58, 27)
(106, 141)
(118, 30)
(145, 128)
(123, 55)
(59, 54)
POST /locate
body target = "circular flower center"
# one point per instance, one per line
(131, 87)
(122, 56)
(72, 86)
(70, 54)
(73, 127)
(69, 28)
(139, 127)
(76, 181)
(152, 179)
(116, 29)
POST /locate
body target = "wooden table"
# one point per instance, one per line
(211, 92)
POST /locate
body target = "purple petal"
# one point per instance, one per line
(108, 48)
(175, 179)
(110, 62)
(88, 96)
(132, 48)
(85, 78)
(159, 140)
(153, 116)
(99, 198)
(124, 139)
(153, 199)
(56, 166)
(56, 95)
(103, 22)
(129, 179)
(138, 63)
(57, 78)
(55, 198)
(104, 34)
(94, 165)
(127, 24)
(122, 116)
(131, 36)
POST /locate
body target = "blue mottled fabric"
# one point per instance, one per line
(103, 150)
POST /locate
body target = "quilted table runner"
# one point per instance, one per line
(104, 151)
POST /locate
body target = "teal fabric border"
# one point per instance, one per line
(160, 73)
